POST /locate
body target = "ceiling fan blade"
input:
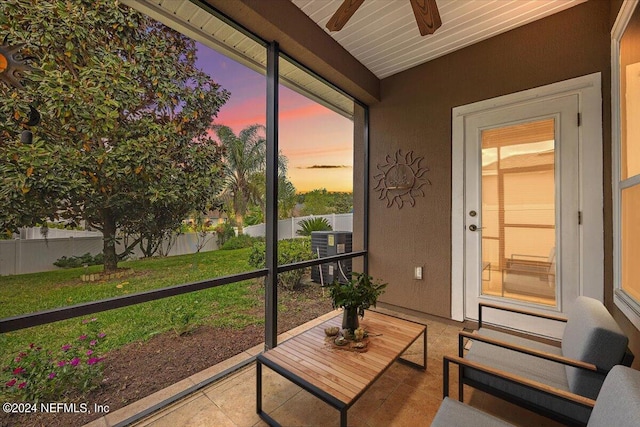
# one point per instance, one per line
(427, 16)
(343, 14)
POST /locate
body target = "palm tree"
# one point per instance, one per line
(287, 197)
(243, 166)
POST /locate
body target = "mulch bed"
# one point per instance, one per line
(140, 369)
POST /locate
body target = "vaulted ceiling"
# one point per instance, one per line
(384, 37)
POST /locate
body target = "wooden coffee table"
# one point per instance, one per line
(335, 375)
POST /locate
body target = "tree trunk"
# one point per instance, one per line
(240, 223)
(109, 241)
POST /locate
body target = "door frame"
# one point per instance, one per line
(588, 89)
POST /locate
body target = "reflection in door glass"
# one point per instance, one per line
(518, 212)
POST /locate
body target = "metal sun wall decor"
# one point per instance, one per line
(12, 64)
(401, 179)
(12, 68)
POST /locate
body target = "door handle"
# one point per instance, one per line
(474, 227)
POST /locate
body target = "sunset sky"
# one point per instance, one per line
(317, 141)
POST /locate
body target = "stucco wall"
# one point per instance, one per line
(415, 114)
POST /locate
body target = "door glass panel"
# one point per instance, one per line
(630, 245)
(519, 213)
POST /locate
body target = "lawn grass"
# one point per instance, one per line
(228, 305)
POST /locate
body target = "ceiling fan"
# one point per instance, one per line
(425, 11)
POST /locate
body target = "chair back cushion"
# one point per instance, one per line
(618, 403)
(591, 335)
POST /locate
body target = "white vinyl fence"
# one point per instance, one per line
(32, 253)
(21, 256)
(287, 228)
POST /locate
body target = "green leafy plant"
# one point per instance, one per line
(322, 202)
(182, 319)
(239, 242)
(289, 251)
(360, 293)
(224, 232)
(79, 261)
(36, 374)
(313, 224)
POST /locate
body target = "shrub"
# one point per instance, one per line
(239, 242)
(289, 251)
(224, 232)
(182, 319)
(37, 375)
(79, 261)
(313, 224)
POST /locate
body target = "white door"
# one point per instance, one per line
(521, 207)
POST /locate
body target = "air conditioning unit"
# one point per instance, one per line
(328, 243)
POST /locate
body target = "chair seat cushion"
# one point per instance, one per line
(455, 414)
(518, 340)
(530, 367)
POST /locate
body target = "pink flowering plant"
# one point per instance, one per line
(36, 374)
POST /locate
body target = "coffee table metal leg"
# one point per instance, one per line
(424, 350)
(258, 387)
(343, 417)
(263, 415)
(424, 354)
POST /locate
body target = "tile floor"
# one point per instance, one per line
(402, 396)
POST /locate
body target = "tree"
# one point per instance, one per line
(245, 178)
(244, 167)
(123, 143)
(286, 197)
(322, 202)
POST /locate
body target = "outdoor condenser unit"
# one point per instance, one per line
(328, 243)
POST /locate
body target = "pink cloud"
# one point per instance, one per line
(238, 115)
(307, 111)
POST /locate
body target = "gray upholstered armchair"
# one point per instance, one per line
(618, 404)
(592, 344)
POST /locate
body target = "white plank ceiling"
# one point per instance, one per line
(384, 37)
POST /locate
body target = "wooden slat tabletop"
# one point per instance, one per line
(344, 373)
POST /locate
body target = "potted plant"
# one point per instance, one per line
(355, 297)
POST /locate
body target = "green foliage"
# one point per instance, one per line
(257, 256)
(239, 242)
(289, 251)
(313, 224)
(63, 226)
(287, 198)
(254, 215)
(224, 232)
(79, 261)
(37, 375)
(243, 168)
(360, 292)
(182, 319)
(245, 180)
(124, 138)
(322, 202)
